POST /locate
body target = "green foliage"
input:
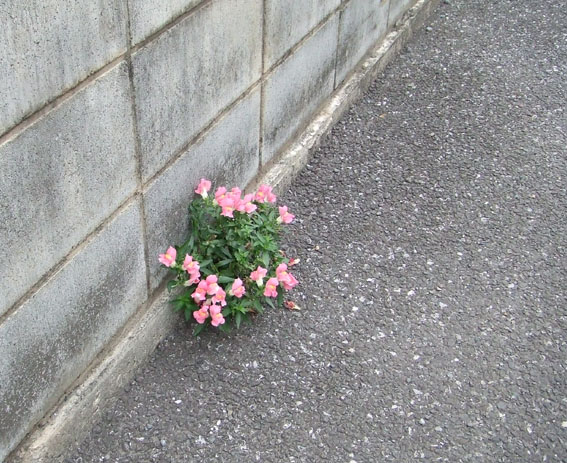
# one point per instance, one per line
(228, 248)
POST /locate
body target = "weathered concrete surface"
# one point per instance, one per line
(432, 240)
(288, 21)
(59, 330)
(191, 72)
(148, 16)
(73, 419)
(297, 87)
(227, 154)
(362, 24)
(48, 46)
(61, 177)
(397, 9)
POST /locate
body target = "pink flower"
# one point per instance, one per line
(216, 316)
(241, 202)
(227, 204)
(238, 290)
(289, 282)
(193, 279)
(219, 297)
(264, 194)
(281, 270)
(168, 259)
(250, 207)
(190, 265)
(258, 275)
(285, 216)
(200, 293)
(201, 315)
(220, 194)
(271, 288)
(212, 286)
(203, 188)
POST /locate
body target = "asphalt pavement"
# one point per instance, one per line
(431, 227)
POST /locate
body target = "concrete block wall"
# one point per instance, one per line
(110, 112)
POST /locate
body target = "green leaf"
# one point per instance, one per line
(225, 328)
(270, 303)
(188, 314)
(225, 279)
(171, 284)
(266, 259)
(198, 329)
(238, 319)
(258, 306)
(226, 252)
(178, 305)
(225, 262)
(191, 242)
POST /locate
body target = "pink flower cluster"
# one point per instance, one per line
(212, 306)
(283, 277)
(192, 268)
(214, 311)
(231, 201)
(265, 195)
(209, 306)
(209, 296)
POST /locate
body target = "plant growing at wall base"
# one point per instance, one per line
(231, 266)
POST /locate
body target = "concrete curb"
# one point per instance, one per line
(95, 390)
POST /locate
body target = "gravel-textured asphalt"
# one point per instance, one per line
(432, 229)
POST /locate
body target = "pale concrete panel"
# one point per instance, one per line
(227, 155)
(363, 23)
(61, 177)
(52, 338)
(48, 46)
(398, 8)
(190, 73)
(148, 16)
(297, 87)
(288, 21)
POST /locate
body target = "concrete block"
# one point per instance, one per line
(288, 21)
(61, 177)
(48, 342)
(363, 23)
(227, 155)
(397, 9)
(190, 73)
(148, 16)
(72, 420)
(297, 87)
(48, 46)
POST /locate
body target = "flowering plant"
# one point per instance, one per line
(233, 246)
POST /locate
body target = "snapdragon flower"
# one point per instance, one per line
(168, 259)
